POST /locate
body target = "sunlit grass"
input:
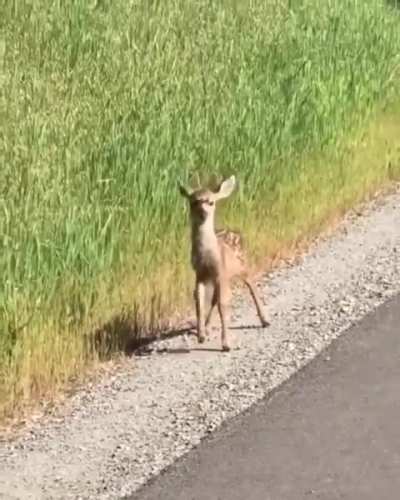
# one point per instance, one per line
(105, 105)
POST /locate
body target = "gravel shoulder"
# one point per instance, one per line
(111, 438)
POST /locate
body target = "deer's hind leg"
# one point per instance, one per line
(223, 296)
(252, 289)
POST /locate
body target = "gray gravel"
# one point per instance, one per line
(112, 437)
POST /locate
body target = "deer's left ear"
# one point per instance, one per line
(226, 188)
(184, 191)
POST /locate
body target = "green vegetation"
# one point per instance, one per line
(105, 105)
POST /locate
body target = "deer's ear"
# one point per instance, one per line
(184, 191)
(226, 188)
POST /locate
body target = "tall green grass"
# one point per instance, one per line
(105, 105)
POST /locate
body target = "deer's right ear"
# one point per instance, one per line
(184, 192)
(226, 188)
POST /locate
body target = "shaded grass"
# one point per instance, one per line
(104, 106)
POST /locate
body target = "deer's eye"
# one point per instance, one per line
(211, 203)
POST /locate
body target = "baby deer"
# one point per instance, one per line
(217, 258)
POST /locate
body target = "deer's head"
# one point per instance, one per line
(202, 201)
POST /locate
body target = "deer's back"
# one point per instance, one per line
(232, 251)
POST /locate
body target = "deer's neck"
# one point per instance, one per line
(203, 233)
(204, 240)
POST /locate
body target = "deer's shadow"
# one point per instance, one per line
(124, 335)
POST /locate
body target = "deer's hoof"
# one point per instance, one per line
(265, 323)
(225, 348)
(201, 339)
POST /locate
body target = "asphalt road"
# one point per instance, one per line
(331, 432)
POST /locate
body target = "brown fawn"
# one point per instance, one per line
(217, 258)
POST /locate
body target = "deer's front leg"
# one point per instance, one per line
(199, 293)
(214, 301)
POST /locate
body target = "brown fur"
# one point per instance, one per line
(217, 258)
